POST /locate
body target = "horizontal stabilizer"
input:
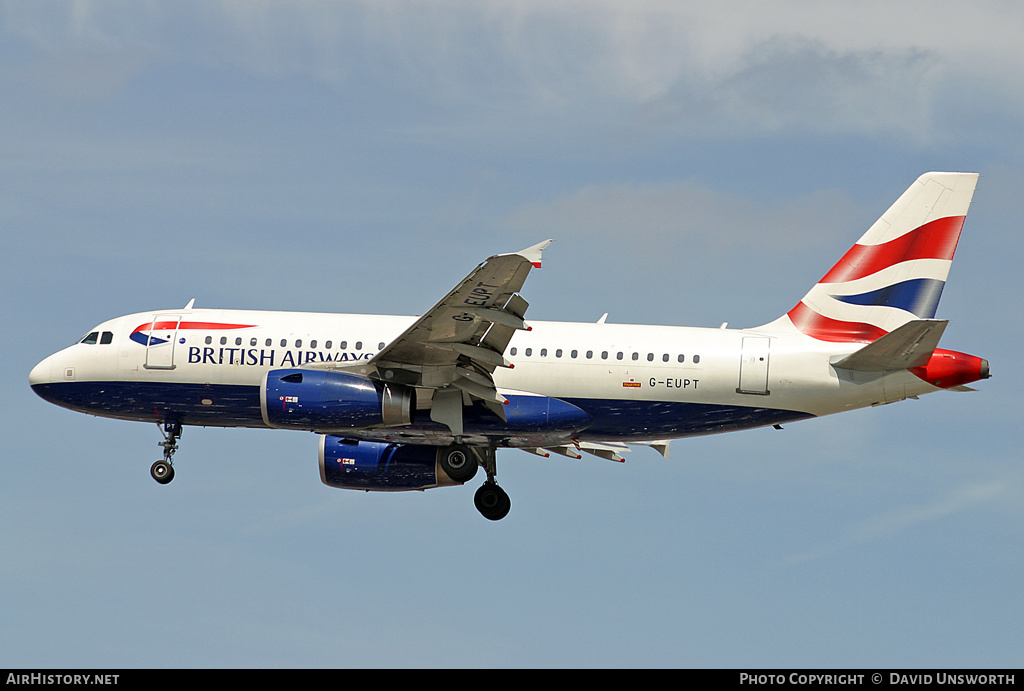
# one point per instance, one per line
(911, 345)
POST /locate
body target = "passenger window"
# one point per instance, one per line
(696, 359)
(223, 340)
(636, 356)
(106, 338)
(270, 342)
(238, 341)
(604, 354)
(512, 351)
(590, 354)
(252, 341)
(573, 354)
(209, 340)
(380, 346)
(558, 353)
(91, 338)
(359, 345)
(650, 357)
(529, 352)
(327, 345)
(682, 358)
(543, 352)
(284, 342)
(664, 358)
(618, 355)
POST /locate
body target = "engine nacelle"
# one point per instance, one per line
(380, 466)
(326, 401)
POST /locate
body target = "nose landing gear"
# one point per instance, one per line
(163, 471)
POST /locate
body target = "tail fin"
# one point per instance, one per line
(896, 271)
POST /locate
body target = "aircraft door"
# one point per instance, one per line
(754, 366)
(160, 346)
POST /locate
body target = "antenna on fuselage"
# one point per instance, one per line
(190, 304)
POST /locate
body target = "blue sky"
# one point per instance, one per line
(695, 163)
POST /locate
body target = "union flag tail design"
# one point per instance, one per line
(897, 270)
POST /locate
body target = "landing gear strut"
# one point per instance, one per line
(491, 501)
(163, 471)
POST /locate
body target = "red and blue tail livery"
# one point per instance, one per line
(897, 270)
(411, 403)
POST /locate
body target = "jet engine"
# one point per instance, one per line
(322, 400)
(381, 466)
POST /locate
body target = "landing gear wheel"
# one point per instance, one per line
(162, 472)
(459, 463)
(492, 501)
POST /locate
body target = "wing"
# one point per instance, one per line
(455, 346)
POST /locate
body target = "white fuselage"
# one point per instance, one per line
(205, 367)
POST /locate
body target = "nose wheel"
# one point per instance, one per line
(163, 470)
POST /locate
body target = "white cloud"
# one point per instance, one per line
(793, 84)
(735, 67)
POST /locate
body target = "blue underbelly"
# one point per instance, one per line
(239, 406)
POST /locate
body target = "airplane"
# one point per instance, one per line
(411, 403)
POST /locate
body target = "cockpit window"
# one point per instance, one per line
(106, 338)
(91, 338)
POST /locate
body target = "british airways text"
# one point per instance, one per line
(260, 357)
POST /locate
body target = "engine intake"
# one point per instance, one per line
(380, 466)
(326, 401)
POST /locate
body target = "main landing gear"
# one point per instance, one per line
(163, 471)
(491, 500)
(460, 463)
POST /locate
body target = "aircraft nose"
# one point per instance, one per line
(52, 370)
(48, 377)
(41, 373)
